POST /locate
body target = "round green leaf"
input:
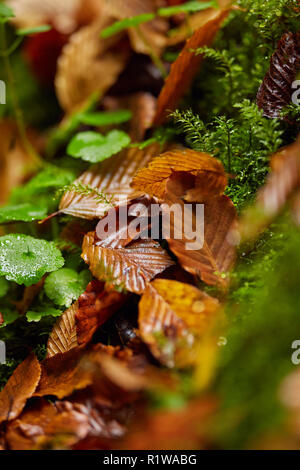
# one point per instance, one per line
(25, 260)
(66, 285)
(4, 286)
(95, 147)
(36, 316)
(22, 213)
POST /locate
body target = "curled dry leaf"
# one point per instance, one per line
(60, 425)
(172, 317)
(62, 374)
(185, 67)
(30, 13)
(213, 254)
(63, 337)
(152, 179)
(95, 306)
(276, 91)
(103, 59)
(19, 388)
(131, 267)
(112, 177)
(149, 35)
(282, 183)
(78, 324)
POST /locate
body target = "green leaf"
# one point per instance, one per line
(41, 185)
(5, 13)
(188, 7)
(66, 285)
(22, 213)
(43, 28)
(105, 118)
(4, 287)
(25, 260)
(94, 147)
(37, 315)
(9, 317)
(132, 22)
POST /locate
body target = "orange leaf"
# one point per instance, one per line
(133, 266)
(185, 67)
(172, 316)
(282, 183)
(63, 337)
(95, 306)
(62, 374)
(113, 177)
(19, 388)
(103, 59)
(217, 255)
(196, 21)
(152, 180)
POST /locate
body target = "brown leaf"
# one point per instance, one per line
(103, 59)
(113, 177)
(276, 91)
(60, 425)
(62, 374)
(213, 261)
(172, 317)
(181, 429)
(185, 67)
(154, 32)
(95, 306)
(30, 13)
(281, 185)
(133, 266)
(13, 160)
(19, 388)
(152, 180)
(63, 337)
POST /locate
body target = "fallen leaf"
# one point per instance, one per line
(276, 90)
(152, 179)
(181, 429)
(30, 13)
(185, 67)
(95, 306)
(19, 388)
(132, 267)
(113, 177)
(196, 21)
(153, 33)
(215, 259)
(282, 183)
(63, 337)
(62, 374)
(172, 318)
(104, 59)
(60, 425)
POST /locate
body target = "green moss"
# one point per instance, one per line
(264, 321)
